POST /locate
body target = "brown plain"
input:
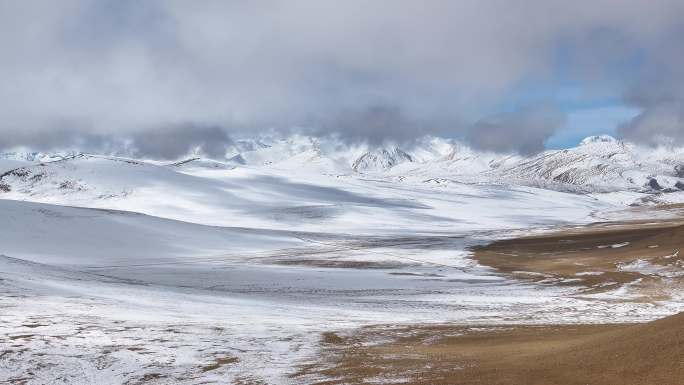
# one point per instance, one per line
(646, 354)
(589, 257)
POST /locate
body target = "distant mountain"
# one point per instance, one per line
(589, 140)
(598, 164)
(35, 156)
(380, 160)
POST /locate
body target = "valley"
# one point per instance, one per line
(119, 270)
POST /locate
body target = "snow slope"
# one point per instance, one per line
(597, 164)
(601, 164)
(80, 236)
(300, 199)
(94, 296)
(10, 164)
(116, 270)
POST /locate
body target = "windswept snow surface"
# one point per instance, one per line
(116, 270)
(77, 236)
(289, 199)
(86, 299)
(10, 164)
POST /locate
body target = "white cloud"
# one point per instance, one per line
(116, 68)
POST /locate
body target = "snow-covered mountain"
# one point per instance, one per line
(598, 164)
(36, 156)
(380, 160)
(602, 164)
(16, 159)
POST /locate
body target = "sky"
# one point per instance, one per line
(159, 77)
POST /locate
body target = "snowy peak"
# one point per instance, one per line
(246, 145)
(35, 156)
(237, 159)
(599, 164)
(597, 139)
(380, 160)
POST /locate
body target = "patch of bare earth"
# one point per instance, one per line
(601, 257)
(646, 354)
(595, 258)
(218, 363)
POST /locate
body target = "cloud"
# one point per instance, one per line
(523, 131)
(176, 141)
(376, 71)
(659, 95)
(658, 124)
(168, 142)
(380, 123)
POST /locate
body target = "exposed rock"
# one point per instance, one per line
(238, 159)
(653, 183)
(679, 170)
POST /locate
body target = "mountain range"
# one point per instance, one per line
(598, 164)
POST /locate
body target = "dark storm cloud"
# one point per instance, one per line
(659, 94)
(168, 142)
(377, 71)
(176, 141)
(523, 131)
(57, 137)
(380, 123)
(658, 124)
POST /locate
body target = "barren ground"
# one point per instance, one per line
(645, 354)
(643, 256)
